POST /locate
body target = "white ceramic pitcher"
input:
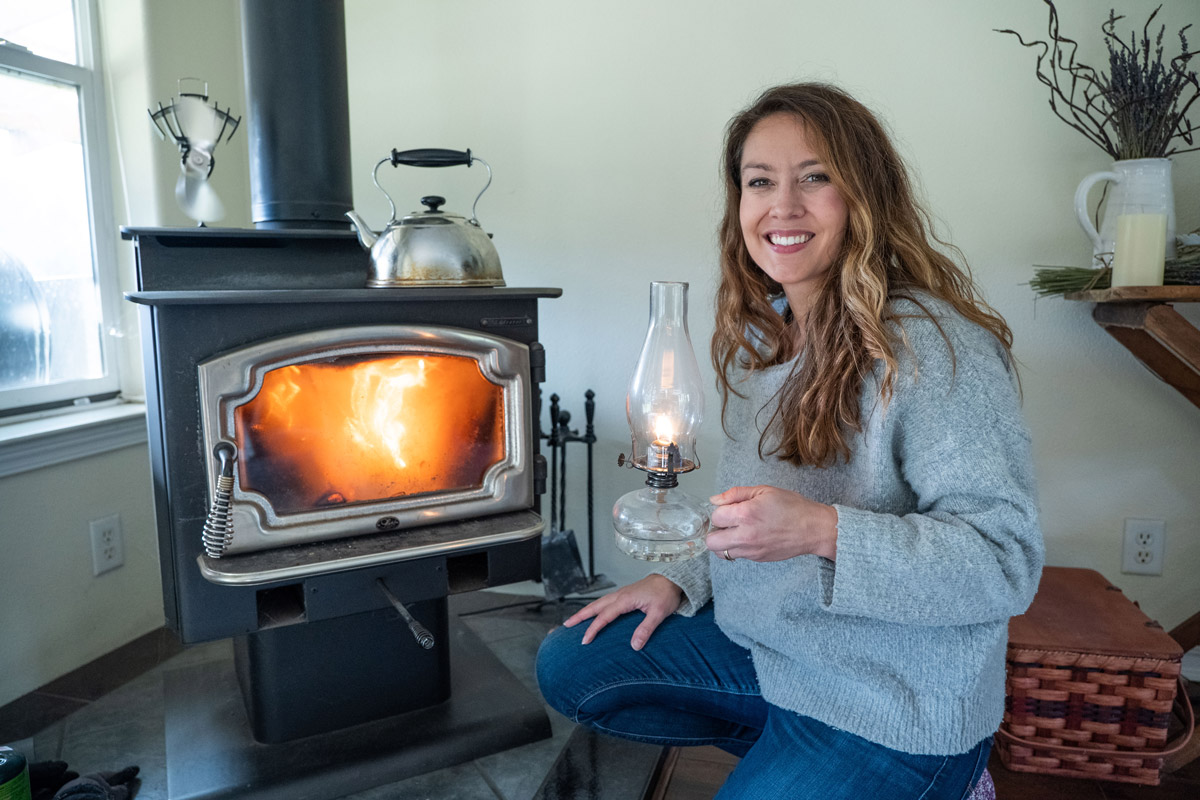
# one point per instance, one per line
(1139, 183)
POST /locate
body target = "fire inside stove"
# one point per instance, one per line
(354, 430)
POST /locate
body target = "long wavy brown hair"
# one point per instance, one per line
(887, 253)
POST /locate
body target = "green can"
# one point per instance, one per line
(14, 775)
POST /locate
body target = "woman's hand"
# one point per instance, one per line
(765, 523)
(655, 595)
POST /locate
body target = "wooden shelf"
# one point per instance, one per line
(1142, 319)
(1139, 294)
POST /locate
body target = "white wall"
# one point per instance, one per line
(603, 121)
(55, 615)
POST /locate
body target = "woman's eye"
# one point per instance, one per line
(816, 177)
(757, 182)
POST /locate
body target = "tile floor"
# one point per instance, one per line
(83, 720)
(112, 729)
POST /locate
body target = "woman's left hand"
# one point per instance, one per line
(766, 523)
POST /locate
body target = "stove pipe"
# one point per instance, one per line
(298, 113)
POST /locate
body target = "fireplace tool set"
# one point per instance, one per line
(562, 567)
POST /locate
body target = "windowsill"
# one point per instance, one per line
(47, 441)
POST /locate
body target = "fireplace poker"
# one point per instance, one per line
(423, 636)
(588, 438)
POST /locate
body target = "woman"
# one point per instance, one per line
(846, 633)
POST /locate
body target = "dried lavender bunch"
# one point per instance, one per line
(1049, 281)
(1139, 108)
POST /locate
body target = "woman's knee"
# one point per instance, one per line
(568, 671)
(559, 661)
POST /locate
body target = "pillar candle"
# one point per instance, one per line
(1141, 248)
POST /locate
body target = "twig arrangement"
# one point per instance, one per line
(1139, 108)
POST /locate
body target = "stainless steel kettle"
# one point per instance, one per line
(431, 247)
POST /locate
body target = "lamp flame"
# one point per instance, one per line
(664, 430)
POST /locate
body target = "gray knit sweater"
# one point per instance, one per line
(902, 639)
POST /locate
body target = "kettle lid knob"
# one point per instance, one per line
(432, 202)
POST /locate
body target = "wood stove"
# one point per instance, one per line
(326, 454)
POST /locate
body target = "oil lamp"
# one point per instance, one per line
(665, 405)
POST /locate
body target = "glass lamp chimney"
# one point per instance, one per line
(665, 403)
(665, 406)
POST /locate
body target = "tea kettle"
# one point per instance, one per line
(430, 247)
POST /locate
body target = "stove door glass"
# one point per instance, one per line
(361, 429)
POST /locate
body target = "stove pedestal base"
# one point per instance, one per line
(302, 680)
(211, 753)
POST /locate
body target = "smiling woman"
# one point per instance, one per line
(845, 635)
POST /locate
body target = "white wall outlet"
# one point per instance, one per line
(108, 551)
(1145, 540)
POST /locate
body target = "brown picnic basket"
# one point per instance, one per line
(1092, 685)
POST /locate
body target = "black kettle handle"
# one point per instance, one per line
(431, 157)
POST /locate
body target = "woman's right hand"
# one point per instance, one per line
(654, 595)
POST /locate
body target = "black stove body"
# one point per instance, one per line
(318, 642)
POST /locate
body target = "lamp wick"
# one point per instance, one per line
(674, 461)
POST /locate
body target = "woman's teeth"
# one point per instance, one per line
(785, 241)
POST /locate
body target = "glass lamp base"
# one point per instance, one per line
(654, 524)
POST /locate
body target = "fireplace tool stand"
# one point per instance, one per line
(562, 567)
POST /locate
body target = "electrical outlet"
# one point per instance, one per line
(1145, 540)
(108, 551)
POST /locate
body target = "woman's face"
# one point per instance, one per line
(793, 219)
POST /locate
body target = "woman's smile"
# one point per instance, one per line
(787, 242)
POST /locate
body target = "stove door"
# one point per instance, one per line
(366, 429)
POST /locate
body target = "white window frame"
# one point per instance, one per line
(86, 77)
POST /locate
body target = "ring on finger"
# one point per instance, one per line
(728, 557)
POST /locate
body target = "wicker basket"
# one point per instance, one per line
(1092, 683)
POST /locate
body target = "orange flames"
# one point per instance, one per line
(354, 430)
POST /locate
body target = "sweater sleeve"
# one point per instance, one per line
(972, 550)
(692, 577)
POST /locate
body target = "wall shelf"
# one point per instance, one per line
(1142, 319)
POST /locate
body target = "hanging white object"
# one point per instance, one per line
(197, 128)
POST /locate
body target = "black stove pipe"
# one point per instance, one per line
(298, 113)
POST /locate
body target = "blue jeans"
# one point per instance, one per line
(690, 685)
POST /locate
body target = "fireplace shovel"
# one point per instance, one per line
(562, 567)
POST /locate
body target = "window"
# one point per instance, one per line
(57, 250)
